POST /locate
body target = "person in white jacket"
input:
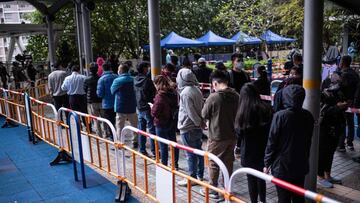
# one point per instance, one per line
(190, 122)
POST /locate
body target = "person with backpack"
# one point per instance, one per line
(238, 77)
(288, 147)
(164, 113)
(332, 122)
(253, 121)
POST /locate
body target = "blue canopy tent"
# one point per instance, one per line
(211, 39)
(272, 38)
(174, 40)
(244, 39)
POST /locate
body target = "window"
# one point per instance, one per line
(7, 6)
(22, 6)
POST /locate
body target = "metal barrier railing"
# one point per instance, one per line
(278, 182)
(94, 147)
(172, 169)
(13, 106)
(39, 91)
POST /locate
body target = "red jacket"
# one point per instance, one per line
(164, 108)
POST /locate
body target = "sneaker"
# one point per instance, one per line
(324, 183)
(356, 159)
(341, 149)
(184, 182)
(334, 180)
(212, 193)
(200, 178)
(145, 153)
(237, 153)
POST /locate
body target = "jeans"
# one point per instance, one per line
(195, 162)
(350, 131)
(169, 133)
(145, 120)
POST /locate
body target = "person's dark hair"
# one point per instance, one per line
(262, 71)
(174, 59)
(219, 76)
(170, 67)
(93, 68)
(251, 109)
(128, 63)
(220, 66)
(297, 57)
(106, 66)
(162, 83)
(75, 68)
(58, 65)
(141, 67)
(187, 63)
(197, 56)
(124, 68)
(346, 60)
(236, 55)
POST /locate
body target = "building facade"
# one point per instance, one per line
(14, 12)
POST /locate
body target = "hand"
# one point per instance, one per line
(266, 170)
(342, 105)
(203, 125)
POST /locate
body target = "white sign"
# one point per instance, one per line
(164, 185)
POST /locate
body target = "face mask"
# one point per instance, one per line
(239, 65)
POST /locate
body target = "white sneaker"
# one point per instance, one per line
(183, 183)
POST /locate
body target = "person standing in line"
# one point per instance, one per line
(262, 84)
(288, 147)
(145, 92)
(55, 80)
(238, 77)
(348, 84)
(31, 72)
(74, 86)
(94, 102)
(190, 121)
(103, 91)
(203, 72)
(125, 101)
(220, 109)
(164, 113)
(253, 121)
(4, 75)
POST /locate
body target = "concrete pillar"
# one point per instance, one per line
(11, 50)
(86, 23)
(154, 37)
(20, 45)
(51, 42)
(313, 29)
(345, 40)
(79, 35)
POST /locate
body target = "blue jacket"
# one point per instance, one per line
(123, 89)
(103, 89)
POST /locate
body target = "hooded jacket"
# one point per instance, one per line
(100, 61)
(145, 92)
(164, 108)
(288, 147)
(220, 109)
(123, 89)
(191, 101)
(90, 86)
(103, 89)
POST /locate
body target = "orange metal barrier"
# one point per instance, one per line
(13, 106)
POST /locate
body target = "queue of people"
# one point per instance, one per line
(239, 123)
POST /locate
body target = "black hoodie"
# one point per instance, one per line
(145, 92)
(288, 147)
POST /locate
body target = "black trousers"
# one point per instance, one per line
(78, 102)
(4, 83)
(285, 196)
(61, 101)
(257, 187)
(110, 115)
(327, 148)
